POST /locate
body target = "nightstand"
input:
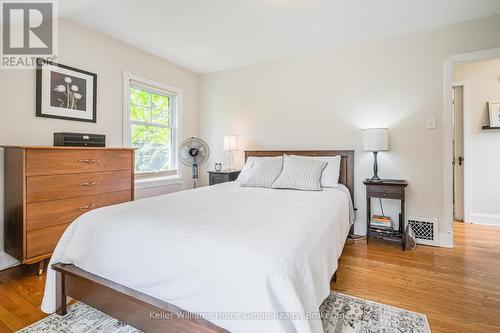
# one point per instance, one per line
(217, 177)
(386, 189)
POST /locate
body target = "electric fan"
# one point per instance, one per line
(194, 152)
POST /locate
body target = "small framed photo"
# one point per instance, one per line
(65, 92)
(494, 110)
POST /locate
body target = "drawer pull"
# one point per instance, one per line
(88, 206)
(88, 161)
(88, 184)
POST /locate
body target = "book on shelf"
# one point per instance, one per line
(381, 218)
(381, 222)
(381, 227)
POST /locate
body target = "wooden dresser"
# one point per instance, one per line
(47, 188)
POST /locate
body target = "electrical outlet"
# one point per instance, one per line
(431, 123)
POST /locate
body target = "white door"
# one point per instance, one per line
(458, 153)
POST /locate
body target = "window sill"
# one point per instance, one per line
(158, 181)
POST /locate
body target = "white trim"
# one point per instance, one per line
(6, 261)
(486, 219)
(158, 181)
(144, 123)
(175, 122)
(447, 143)
(467, 112)
(151, 86)
(126, 110)
(446, 239)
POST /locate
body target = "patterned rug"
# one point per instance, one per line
(340, 314)
(347, 314)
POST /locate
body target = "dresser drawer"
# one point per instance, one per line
(217, 179)
(55, 162)
(390, 192)
(48, 188)
(49, 213)
(43, 241)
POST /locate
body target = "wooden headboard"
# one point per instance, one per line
(346, 162)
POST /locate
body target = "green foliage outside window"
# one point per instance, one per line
(147, 111)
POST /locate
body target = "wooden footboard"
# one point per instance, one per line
(139, 310)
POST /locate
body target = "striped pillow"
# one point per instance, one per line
(263, 173)
(331, 173)
(247, 168)
(300, 174)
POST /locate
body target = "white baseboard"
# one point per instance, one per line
(359, 228)
(445, 239)
(7, 261)
(487, 219)
(467, 217)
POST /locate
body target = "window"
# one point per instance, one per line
(150, 120)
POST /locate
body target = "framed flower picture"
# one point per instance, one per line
(494, 110)
(65, 92)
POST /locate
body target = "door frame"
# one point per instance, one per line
(466, 134)
(446, 237)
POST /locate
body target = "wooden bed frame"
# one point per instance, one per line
(148, 313)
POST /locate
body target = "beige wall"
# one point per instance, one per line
(87, 49)
(323, 101)
(483, 80)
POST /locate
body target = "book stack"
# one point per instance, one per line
(381, 222)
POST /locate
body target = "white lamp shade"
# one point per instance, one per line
(230, 142)
(375, 139)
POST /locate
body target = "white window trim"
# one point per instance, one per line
(153, 181)
(158, 181)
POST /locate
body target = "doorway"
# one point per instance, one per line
(446, 232)
(458, 152)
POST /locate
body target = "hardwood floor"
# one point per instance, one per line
(458, 289)
(21, 291)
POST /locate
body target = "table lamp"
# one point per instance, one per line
(230, 144)
(375, 140)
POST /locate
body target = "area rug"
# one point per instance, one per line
(347, 314)
(340, 314)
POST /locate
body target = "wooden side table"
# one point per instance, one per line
(386, 189)
(217, 177)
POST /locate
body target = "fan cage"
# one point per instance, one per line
(201, 145)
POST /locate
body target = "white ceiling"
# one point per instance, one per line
(212, 35)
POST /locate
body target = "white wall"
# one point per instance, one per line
(323, 101)
(87, 49)
(484, 159)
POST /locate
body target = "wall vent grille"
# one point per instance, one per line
(425, 229)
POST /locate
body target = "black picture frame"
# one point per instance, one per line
(40, 86)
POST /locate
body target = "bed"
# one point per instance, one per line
(181, 263)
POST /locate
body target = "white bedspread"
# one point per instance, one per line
(218, 250)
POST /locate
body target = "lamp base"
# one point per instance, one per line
(375, 177)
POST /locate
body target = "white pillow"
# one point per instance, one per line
(245, 171)
(300, 174)
(247, 168)
(331, 173)
(263, 173)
